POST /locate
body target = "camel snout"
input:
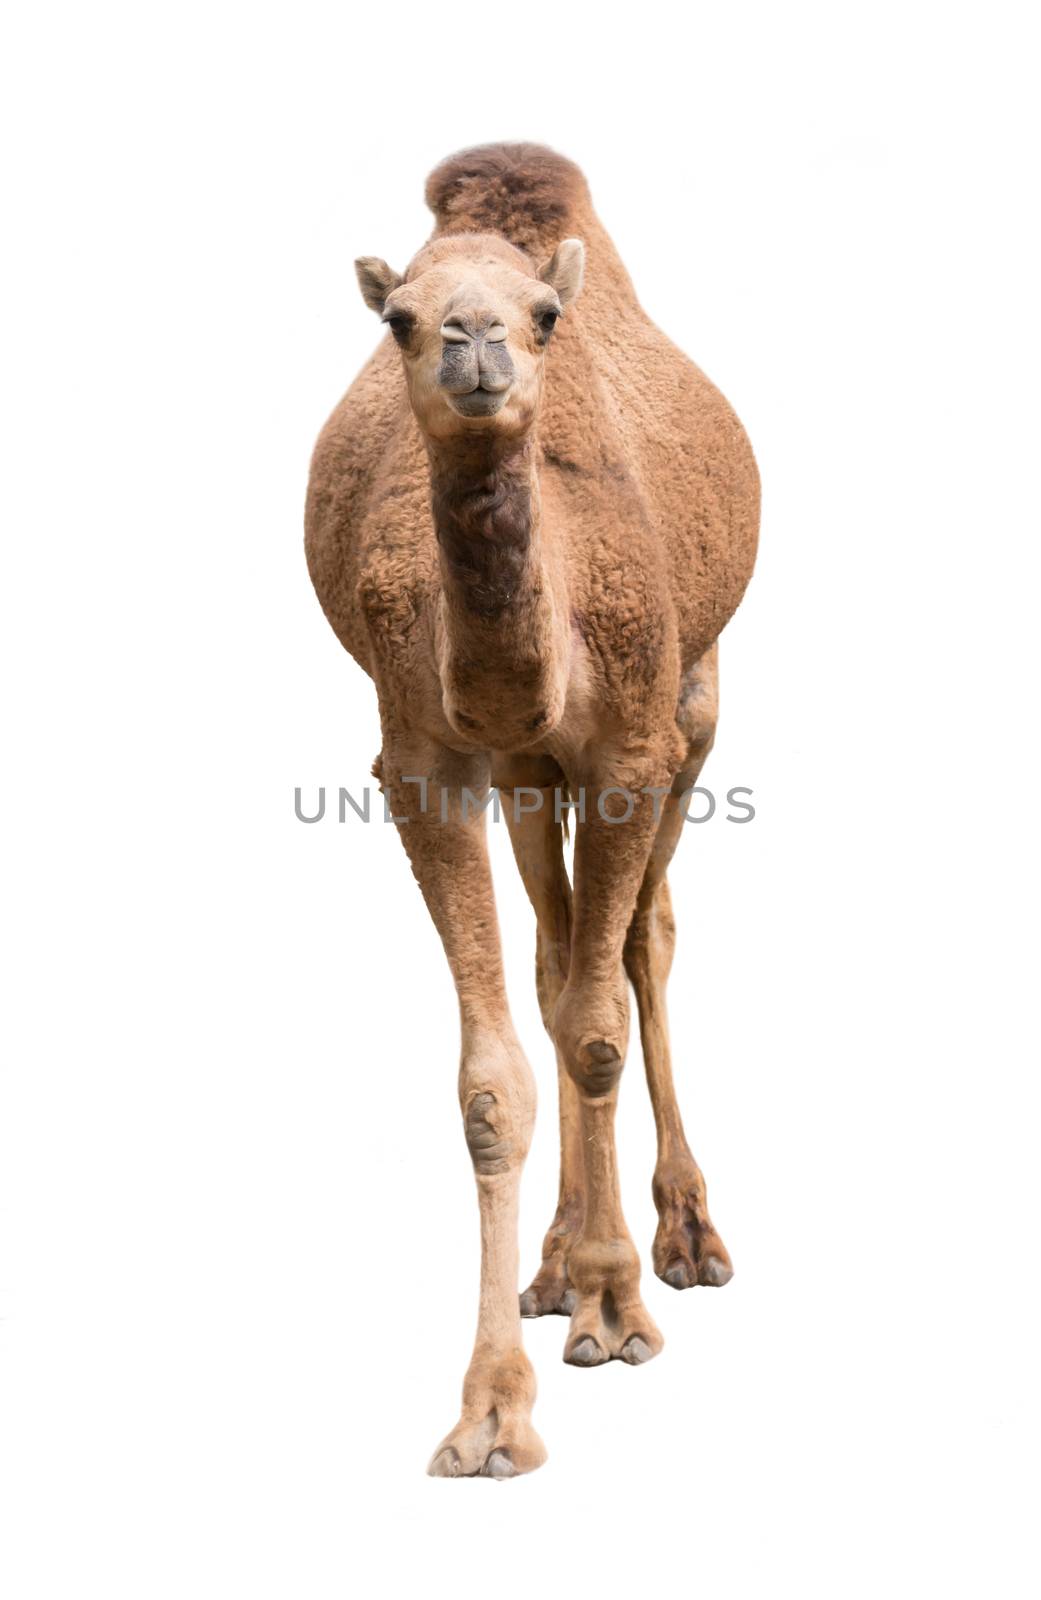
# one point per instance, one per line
(474, 355)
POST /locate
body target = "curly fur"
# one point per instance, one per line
(525, 192)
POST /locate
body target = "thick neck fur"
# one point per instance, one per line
(485, 503)
(501, 650)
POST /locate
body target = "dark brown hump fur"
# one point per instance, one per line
(523, 191)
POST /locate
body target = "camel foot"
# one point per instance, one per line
(550, 1292)
(603, 1331)
(687, 1249)
(494, 1437)
(547, 1300)
(610, 1322)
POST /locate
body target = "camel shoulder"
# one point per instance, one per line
(368, 534)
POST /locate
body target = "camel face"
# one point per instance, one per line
(472, 321)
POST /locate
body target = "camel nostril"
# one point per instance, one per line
(458, 372)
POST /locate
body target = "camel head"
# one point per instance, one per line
(472, 319)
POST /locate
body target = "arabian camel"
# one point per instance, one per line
(528, 521)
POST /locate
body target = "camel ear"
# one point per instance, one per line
(563, 271)
(376, 281)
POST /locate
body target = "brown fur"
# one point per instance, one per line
(523, 191)
(537, 593)
(482, 519)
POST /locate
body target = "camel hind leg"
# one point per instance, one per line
(535, 833)
(687, 1249)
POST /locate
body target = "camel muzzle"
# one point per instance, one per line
(474, 357)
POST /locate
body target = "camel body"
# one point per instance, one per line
(538, 595)
(650, 492)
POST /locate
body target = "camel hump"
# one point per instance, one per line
(526, 192)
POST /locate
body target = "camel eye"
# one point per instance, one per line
(548, 321)
(399, 325)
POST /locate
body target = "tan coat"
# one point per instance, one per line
(530, 532)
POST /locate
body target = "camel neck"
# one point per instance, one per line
(502, 664)
(486, 508)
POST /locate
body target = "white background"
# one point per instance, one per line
(239, 1234)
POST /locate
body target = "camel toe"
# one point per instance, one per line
(587, 1353)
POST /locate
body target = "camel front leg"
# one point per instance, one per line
(445, 840)
(591, 1026)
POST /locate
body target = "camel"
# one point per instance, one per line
(528, 520)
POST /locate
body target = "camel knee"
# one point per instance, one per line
(497, 1096)
(594, 1068)
(590, 1029)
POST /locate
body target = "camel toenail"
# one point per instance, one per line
(445, 1465)
(587, 1353)
(499, 1465)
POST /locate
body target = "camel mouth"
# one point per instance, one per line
(479, 402)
